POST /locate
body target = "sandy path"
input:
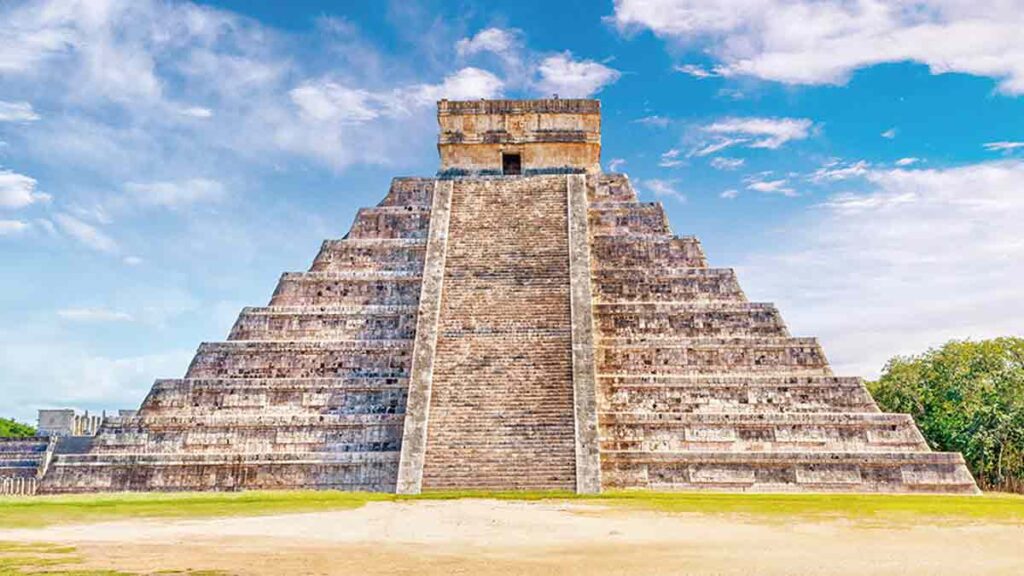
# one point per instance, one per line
(482, 537)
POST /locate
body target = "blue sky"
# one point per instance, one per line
(161, 163)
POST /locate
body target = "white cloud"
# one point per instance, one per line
(665, 189)
(132, 260)
(17, 112)
(696, 71)
(197, 112)
(176, 194)
(466, 84)
(780, 186)
(836, 171)
(723, 163)
(811, 42)
(768, 133)
(94, 315)
(1003, 146)
(87, 234)
(18, 190)
(752, 132)
(889, 134)
(12, 227)
(670, 159)
(914, 259)
(907, 161)
(615, 164)
(654, 121)
(717, 146)
(569, 78)
(729, 194)
(502, 42)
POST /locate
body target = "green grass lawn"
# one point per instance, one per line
(46, 510)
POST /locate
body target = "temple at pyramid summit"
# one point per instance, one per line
(519, 321)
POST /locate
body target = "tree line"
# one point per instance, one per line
(966, 397)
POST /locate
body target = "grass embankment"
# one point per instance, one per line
(43, 511)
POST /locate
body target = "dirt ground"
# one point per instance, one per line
(483, 537)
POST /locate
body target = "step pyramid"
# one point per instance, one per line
(540, 329)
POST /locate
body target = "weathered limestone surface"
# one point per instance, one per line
(700, 389)
(308, 392)
(543, 331)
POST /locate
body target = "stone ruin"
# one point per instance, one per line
(520, 321)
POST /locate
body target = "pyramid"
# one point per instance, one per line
(520, 321)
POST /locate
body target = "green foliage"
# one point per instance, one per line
(966, 397)
(13, 429)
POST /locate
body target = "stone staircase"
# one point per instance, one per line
(700, 389)
(501, 411)
(307, 392)
(22, 462)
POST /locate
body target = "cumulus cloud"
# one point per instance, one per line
(907, 161)
(19, 190)
(916, 257)
(85, 233)
(616, 164)
(562, 75)
(176, 194)
(729, 194)
(17, 112)
(499, 41)
(811, 42)
(889, 134)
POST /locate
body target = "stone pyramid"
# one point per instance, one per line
(520, 321)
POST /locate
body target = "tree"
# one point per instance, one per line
(14, 429)
(966, 397)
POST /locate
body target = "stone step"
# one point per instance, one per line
(391, 222)
(154, 422)
(22, 445)
(628, 218)
(346, 288)
(409, 192)
(688, 319)
(614, 187)
(397, 254)
(682, 285)
(251, 437)
(749, 394)
(615, 251)
(710, 355)
(265, 359)
(831, 432)
(326, 323)
(934, 472)
(366, 471)
(273, 396)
